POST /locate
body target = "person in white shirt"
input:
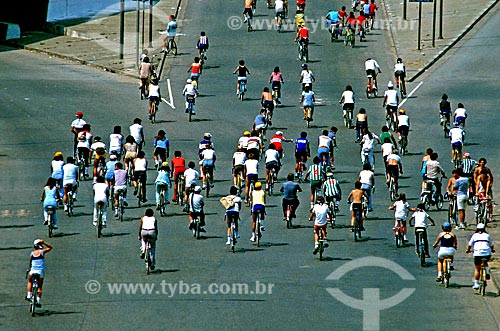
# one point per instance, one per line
(456, 139)
(243, 141)
(70, 180)
(279, 11)
(347, 100)
(251, 172)
(190, 177)
(403, 124)
(239, 158)
(83, 146)
(400, 73)
(460, 115)
(306, 77)
(154, 98)
(401, 208)
(116, 142)
(483, 247)
(272, 161)
(320, 213)
(372, 68)
(367, 179)
(196, 204)
(421, 218)
(190, 92)
(208, 165)
(391, 101)
(137, 131)
(101, 194)
(386, 148)
(76, 127)
(367, 143)
(148, 229)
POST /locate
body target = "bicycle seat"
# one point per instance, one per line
(419, 230)
(50, 210)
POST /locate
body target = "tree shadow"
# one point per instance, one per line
(16, 226)
(164, 121)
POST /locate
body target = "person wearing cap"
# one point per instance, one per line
(121, 177)
(37, 266)
(403, 125)
(161, 148)
(154, 98)
(277, 140)
(421, 218)
(98, 152)
(83, 146)
(116, 142)
(205, 143)
(243, 141)
(254, 145)
(448, 245)
(56, 170)
(137, 131)
(306, 77)
(162, 182)
(207, 162)
(483, 248)
(462, 188)
(258, 199)
(371, 66)
(70, 180)
(101, 196)
(196, 204)
(190, 178)
(178, 164)
(190, 92)
(320, 212)
(50, 197)
(109, 170)
(76, 127)
(391, 102)
(331, 190)
(457, 135)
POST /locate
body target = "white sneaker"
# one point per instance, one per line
(236, 234)
(475, 286)
(228, 242)
(65, 208)
(94, 223)
(253, 238)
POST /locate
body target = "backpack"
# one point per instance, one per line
(227, 202)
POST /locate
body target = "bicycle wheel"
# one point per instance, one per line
(397, 239)
(173, 47)
(258, 233)
(439, 202)
(233, 236)
(446, 274)
(50, 226)
(356, 229)
(33, 302)
(321, 248)
(422, 253)
(120, 208)
(208, 184)
(148, 258)
(162, 202)
(139, 193)
(197, 229)
(99, 223)
(451, 215)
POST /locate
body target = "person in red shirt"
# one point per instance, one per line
(302, 34)
(195, 69)
(351, 21)
(342, 15)
(277, 140)
(178, 166)
(373, 8)
(361, 25)
(301, 5)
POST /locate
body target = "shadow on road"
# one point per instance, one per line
(16, 226)
(15, 248)
(62, 234)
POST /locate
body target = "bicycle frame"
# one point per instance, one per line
(35, 279)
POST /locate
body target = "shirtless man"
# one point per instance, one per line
(247, 12)
(356, 196)
(486, 177)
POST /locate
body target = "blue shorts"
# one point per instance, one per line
(252, 177)
(258, 208)
(457, 145)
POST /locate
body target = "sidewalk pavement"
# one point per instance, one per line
(95, 42)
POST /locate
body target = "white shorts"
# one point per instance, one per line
(242, 78)
(120, 187)
(445, 252)
(260, 127)
(461, 202)
(36, 271)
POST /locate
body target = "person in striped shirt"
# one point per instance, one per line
(468, 166)
(202, 45)
(331, 190)
(316, 176)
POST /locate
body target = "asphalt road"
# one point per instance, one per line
(286, 283)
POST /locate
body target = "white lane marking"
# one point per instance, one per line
(171, 102)
(411, 93)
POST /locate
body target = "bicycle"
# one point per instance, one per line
(197, 226)
(70, 203)
(303, 51)
(100, 208)
(280, 22)
(270, 181)
(163, 202)
(332, 213)
(209, 179)
(403, 144)
(250, 191)
(130, 173)
(243, 88)
(233, 233)
(302, 169)
(139, 192)
(399, 84)
(35, 280)
(446, 271)
(321, 244)
(334, 32)
(171, 46)
(152, 116)
(288, 216)
(356, 229)
(399, 234)
(258, 232)
(348, 115)
(349, 37)
(391, 120)
(421, 245)
(431, 198)
(81, 168)
(446, 125)
(364, 204)
(457, 157)
(143, 89)
(393, 195)
(239, 182)
(148, 256)
(190, 109)
(483, 276)
(483, 212)
(181, 189)
(309, 110)
(121, 208)
(452, 210)
(51, 211)
(275, 94)
(371, 88)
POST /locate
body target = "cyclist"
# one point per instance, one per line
(140, 173)
(109, 170)
(258, 206)
(347, 100)
(387, 147)
(367, 143)
(325, 148)
(307, 99)
(306, 77)
(137, 131)
(299, 19)
(70, 180)
(279, 11)
(178, 166)
(277, 140)
(394, 168)
(315, 173)
(37, 266)
(342, 14)
(208, 165)
(266, 100)
(205, 144)
(462, 188)
(98, 151)
(444, 109)
(302, 36)
(460, 115)
(468, 166)
(400, 73)
(367, 179)
(361, 121)
(121, 177)
(251, 173)
(196, 204)
(190, 177)
(403, 125)
(483, 176)
(195, 69)
(202, 45)
(116, 142)
(420, 218)
(190, 92)
(56, 170)
(233, 214)
(84, 142)
(273, 161)
(432, 171)
(154, 98)
(162, 182)
(247, 12)
(483, 247)
(371, 68)
(457, 139)
(355, 198)
(331, 190)
(239, 158)
(76, 127)
(161, 148)
(302, 152)
(146, 70)
(290, 198)
(101, 196)
(448, 245)
(260, 123)
(255, 144)
(131, 148)
(148, 229)
(401, 208)
(423, 168)
(171, 33)
(361, 21)
(320, 212)
(243, 141)
(50, 198)
(276, 79)
(242, 72)
(391, 101)
(301, 5)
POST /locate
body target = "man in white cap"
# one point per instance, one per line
(196, 204)
(190, 92)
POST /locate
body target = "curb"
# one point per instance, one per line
(454, 42)
(392, 29)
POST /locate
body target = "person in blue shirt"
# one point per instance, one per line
(171, 32)
(50, 196)
(462, 187)
(162, 182)
(289, 190)
(302, 152)
(110, 170)
(162, 148)
(307, 100)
